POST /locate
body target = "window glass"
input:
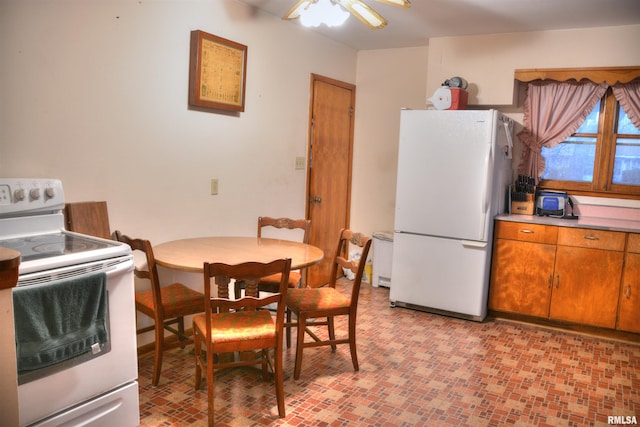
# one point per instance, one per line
(590, 124)
(573, 159)
(626, 168)
(625, 125)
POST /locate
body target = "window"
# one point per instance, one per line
(602, 156)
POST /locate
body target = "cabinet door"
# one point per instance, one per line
(521, 277)
(586, 286)
(629, 317)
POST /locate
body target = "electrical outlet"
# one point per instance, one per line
(301, 162)
(214, 186)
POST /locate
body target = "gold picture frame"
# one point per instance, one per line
(217, 72)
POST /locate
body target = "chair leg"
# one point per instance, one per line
(302, 325)
(332, 333)
(352, 343)
(288, 328)
(279, 378)
(237, 290)
(197, 347)
(157, 360)
(181, 335)
(210, 385)
(264, 357)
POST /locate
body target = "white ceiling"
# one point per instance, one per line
(442, 18)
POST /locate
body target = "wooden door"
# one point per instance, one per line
(586, 286)
(329, 174)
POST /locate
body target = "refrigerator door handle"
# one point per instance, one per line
(508, 150)
(486, 196)
(474, 243)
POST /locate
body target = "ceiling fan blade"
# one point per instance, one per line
(364, 13)
(294, 12)
(401, 3)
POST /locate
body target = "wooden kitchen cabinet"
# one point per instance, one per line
(629, 311)
(588, 269)
(522, 268)
(561, 273)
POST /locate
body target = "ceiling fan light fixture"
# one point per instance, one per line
(401, 3)
(313, 13)
(317, 12)
(364, 13)
(297, 9)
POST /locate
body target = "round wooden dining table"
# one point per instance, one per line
(190, 254)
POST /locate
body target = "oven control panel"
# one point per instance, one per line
(23, 196)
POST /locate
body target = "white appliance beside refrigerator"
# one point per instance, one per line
(454, 170)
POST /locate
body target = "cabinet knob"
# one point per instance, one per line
(557, 281)
(591, 237)
(526, 230)
(627, 292)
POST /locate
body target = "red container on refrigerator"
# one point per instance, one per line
(459, 99)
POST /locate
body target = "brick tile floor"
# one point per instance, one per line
(416, 369)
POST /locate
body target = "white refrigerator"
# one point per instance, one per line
(454, 170)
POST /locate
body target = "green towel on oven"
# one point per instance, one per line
(60, 320)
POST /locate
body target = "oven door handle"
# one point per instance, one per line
(124, 266)
(112, 266)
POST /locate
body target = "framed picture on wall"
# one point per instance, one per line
(217, 72)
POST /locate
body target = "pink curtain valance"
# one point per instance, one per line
(609, 75)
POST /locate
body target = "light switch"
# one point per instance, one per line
(214, 186)
(301, 162)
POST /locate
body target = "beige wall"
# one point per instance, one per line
(92, 90)
(95, 93)
(488, 62)
(387, 80)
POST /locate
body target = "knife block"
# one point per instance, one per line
(524, 208)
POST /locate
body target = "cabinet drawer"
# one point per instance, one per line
(634, 243)
(590, 238)
(524, 232)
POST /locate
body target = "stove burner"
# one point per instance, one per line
(51, 245)
(14, 244)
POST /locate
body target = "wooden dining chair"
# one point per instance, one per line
(90, 218)
(310, 304)
(240, 325)
(167, 305)
(271, 283)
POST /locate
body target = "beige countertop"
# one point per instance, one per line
(583, 222)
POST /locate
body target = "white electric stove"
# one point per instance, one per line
(93, 388)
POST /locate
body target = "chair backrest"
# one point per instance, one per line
(151, 273)
(341, 260)
(287, 223)
(90, 218)
(250, 273)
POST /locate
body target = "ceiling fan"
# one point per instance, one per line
(356, 7)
